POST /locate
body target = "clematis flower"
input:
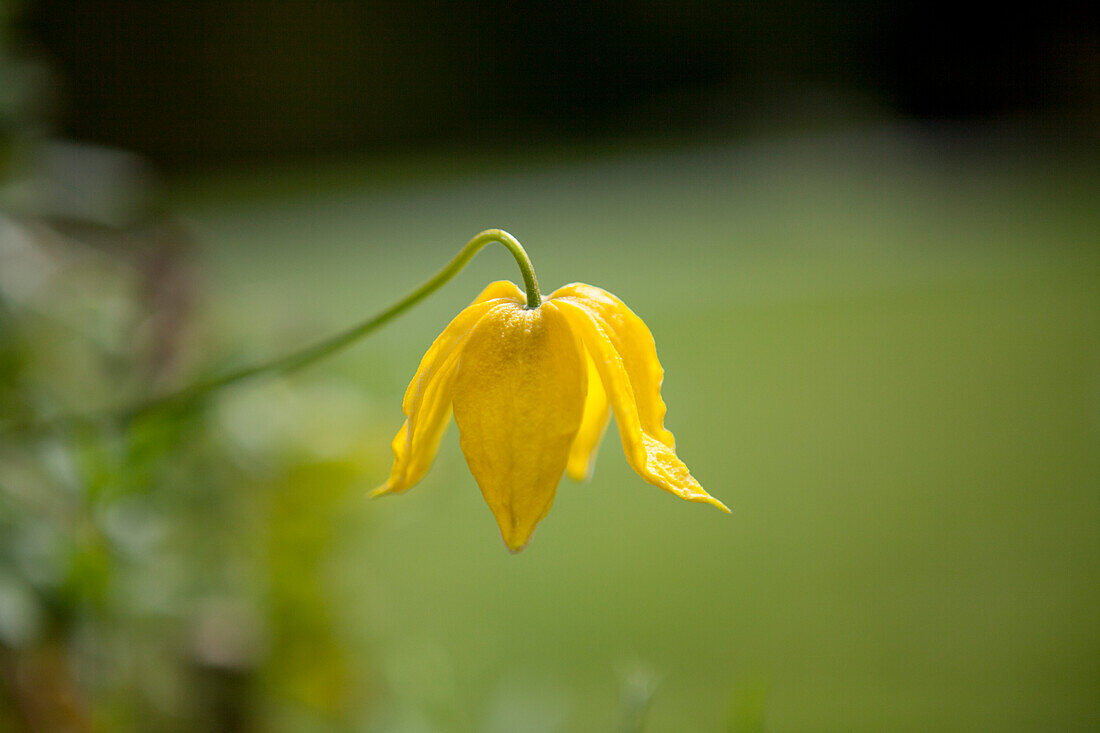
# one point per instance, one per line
(532, 390)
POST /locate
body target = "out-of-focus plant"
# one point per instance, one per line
(165, 572)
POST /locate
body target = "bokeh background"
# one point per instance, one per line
(866, 237)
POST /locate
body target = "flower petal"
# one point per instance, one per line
(518, 403)
(652, 459)
(427, 402)
(505, 289)
(632, 339)
(597, 413)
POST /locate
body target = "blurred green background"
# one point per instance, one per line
(874, 286)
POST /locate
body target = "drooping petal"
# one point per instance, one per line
(633, 341)
(652, 459)
(518, 402)
(414, 452)
(427, 403)
(597, 413)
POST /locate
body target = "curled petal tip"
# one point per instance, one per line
(702, 497)
(580, 469)
(382, 490)
(579, 476)
(714, 502)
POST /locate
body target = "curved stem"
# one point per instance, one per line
(310, 354)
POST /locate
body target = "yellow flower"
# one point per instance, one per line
(531, 391)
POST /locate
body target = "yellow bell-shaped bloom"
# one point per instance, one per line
(532, 391)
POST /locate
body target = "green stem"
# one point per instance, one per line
(310, 354)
